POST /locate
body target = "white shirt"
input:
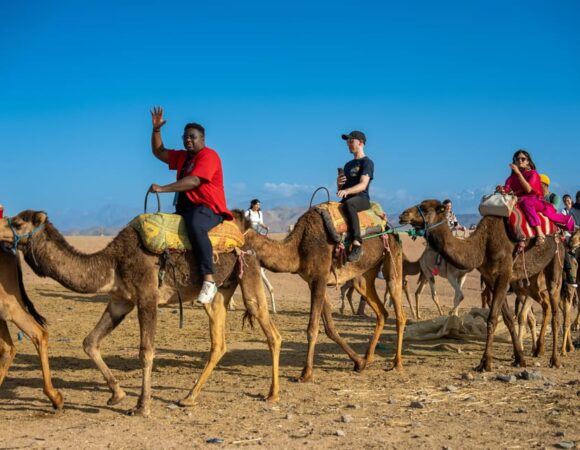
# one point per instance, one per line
(256, 219)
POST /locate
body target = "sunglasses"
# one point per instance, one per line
(521, 158)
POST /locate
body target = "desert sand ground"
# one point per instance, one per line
(436, 402)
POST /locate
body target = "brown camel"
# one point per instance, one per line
(308, 251)
(491, 251)
(16, 307)
(130, 273)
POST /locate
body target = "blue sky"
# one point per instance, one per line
(445, 92)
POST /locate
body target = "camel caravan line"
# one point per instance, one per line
(129, 272)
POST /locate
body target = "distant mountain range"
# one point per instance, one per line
(109, 220)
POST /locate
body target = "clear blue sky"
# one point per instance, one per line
(445, 92)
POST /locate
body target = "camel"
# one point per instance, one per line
(16, 307)
(308, 251)
(130, 274)
(269, 287)
(492, 252)
(426, 266)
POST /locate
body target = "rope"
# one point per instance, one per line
(521, 251)
(242, 262)
(385, 239)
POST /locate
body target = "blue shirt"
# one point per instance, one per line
(356, 168)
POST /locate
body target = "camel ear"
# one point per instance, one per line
(39, 218)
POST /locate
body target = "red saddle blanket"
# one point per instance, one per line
(520, 229)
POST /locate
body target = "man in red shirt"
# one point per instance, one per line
(199, 188)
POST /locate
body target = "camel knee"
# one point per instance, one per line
(146, 355)
(90, 346)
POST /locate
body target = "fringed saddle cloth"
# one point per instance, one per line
(160, 232)
(521, 230)
(372, 221)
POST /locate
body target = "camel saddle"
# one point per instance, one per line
(520, 229)
(372, 221)
(160, 232)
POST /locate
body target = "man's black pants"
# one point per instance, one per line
(351, 206)
(199, 220)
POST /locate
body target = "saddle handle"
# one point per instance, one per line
(158, 202)
(319, 189)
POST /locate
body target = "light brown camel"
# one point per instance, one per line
(16, 307)
(492, 252)
(308, 251)
(130, 273)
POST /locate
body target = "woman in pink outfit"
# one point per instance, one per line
(524, 182)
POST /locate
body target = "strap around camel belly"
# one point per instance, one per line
(372, 221)
(160, 232)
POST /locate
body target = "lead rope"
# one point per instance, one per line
(385, 238)
(521, 251)
(242, 261)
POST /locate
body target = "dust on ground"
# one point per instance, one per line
(436, 402)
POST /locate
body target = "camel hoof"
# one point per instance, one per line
(139, 411)
(483, 366)
(57, 401)
(186, 402)
(116, 398)
(359, 366)
(273, 398)
(555, 363)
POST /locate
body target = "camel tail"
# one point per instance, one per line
(27, 302)
(249, 317)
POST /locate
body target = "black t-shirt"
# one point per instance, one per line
(354, 169)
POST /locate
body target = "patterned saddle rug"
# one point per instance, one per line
(521, 230)
(372, 221)
(160, 232)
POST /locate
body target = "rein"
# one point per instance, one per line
(424, 232)
(18, 237)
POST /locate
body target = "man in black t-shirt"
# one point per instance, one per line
(353, 188)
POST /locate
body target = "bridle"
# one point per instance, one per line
(424, 232)
(18, 237)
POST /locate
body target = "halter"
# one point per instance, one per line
(19, 237)
(424, 232)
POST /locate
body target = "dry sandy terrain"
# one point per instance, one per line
(458, 408)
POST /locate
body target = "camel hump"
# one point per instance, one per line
(160, 232)
(372, 221)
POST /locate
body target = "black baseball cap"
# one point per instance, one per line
(355, 135)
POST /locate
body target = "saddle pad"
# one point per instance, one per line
(371, 221)
(520, 229)
(160, 232)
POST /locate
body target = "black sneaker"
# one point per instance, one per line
(355, 253)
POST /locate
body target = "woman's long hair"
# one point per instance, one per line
(527, 155)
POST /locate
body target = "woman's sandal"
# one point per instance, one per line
(540, 240)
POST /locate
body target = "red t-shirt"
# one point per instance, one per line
(207, 166)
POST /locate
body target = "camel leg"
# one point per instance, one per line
(349, 294)
(546, 315)
(457, 284)
(270, 289)
(522, 315)
(531, 320)
(216, 312)
(565, 306)
(393, 273)
(39, 337)
(406, 289)
(114, 314)
(519, 359)
(498, 298)
(317, 299)
(420, 286)
(431, 281)
(7, 350)
(147, 314)
(554, 293)
(274, 344)
(330, 330)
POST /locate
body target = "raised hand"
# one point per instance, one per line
(157, 117)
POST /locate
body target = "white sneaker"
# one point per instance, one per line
(207, 293)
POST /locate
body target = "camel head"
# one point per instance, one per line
(18, 230)
(241, 220)
(424, 216)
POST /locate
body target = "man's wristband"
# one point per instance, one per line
(156, 130)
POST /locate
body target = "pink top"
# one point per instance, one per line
(532, 177)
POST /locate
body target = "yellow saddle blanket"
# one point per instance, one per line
(372, 220)
(160, 232)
